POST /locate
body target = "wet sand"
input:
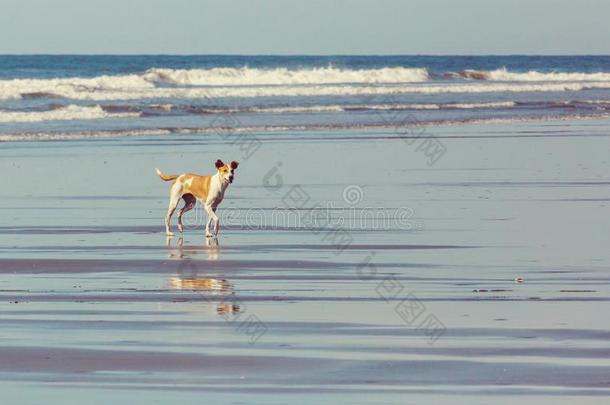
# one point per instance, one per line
(484, 277)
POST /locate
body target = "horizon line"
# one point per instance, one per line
(308, 54)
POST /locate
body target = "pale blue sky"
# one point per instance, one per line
(306, 26)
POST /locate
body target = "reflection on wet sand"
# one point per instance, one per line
(204, 284)
(212, 248)
(187, 277)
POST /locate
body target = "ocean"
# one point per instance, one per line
(57, 97)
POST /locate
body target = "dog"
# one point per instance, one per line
(208, 190)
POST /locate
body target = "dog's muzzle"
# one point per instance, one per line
(230, 179)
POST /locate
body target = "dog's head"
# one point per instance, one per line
(226, 171)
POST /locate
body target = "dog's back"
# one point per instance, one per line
(195, 184)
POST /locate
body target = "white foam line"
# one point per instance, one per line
(282, 76)
(70, 112)
(67, 136)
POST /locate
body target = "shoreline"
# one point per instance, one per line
(229, 131)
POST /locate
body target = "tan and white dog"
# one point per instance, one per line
(208, 190)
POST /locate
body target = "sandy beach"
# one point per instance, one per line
(351, 270)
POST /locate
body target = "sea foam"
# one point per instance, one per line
(71, 112)
(283, 82)
(533, 76)
(283, 76)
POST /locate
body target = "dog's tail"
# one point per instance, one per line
(165, 177)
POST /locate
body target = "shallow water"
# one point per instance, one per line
(484, 274)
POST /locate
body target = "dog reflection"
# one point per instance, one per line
(189, 279)
(212, 286)
(201, 284)
(224, 308)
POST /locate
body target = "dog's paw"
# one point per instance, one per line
(180, 228)
(169, 234)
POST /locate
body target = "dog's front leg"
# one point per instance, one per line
(211, 217)
(216, 222)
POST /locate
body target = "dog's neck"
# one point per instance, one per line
(222, 183)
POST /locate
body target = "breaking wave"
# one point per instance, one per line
(76, 91)
(78, 112)
(96, 88)
(282, 82)
(70, 112)
(283, 76)
(532, 76)
(75, 112)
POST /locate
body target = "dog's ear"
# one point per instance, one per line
(219, 163)
(234, 164)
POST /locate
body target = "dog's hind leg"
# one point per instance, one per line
(174, 198)
(189, 203)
